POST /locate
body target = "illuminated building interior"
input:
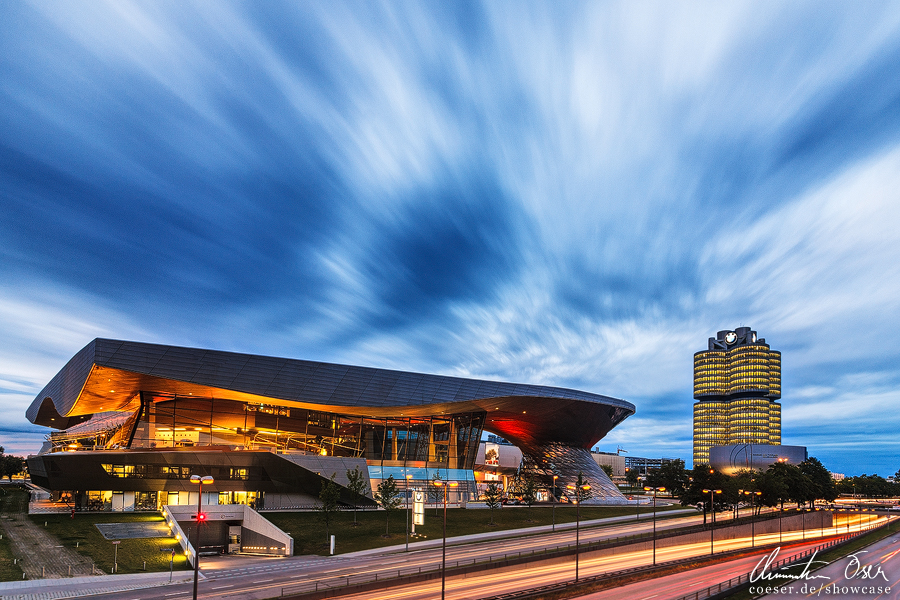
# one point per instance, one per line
(737, 381)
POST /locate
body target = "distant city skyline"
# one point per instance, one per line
(569, 195)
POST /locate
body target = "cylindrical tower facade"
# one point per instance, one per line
(736, 382)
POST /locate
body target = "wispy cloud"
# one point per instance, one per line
(575, 195)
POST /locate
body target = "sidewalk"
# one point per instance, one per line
(71, 587)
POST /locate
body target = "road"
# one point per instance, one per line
(265, 578)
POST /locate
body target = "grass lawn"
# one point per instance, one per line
(12, 499)
(81, 535)
(308, 530)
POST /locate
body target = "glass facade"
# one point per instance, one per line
(736, 384)
(444, 441)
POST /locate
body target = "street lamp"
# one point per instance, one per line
(752, 520)
(200, 518)
(655, 489)
(577, 490)
(406, 479)
(713, 513)
(445, 485)
(553, 500)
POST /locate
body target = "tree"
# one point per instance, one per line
(582, 494)
(529, 490)
(823, 484)
(671, 475)
(435, 492)
(702, 477)
(632, 477)
(11, 465)
(608, 470)
(493, 496)
(357, 483)
(328, 503)
(388, 497)
(771, 483)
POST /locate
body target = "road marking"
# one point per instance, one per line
(264, 581)
(177, 593)
(222, 587)
(648, 597)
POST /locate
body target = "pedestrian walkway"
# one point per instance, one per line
(83, 586)
(40, 554)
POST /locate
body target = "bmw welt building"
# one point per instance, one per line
(132, 422)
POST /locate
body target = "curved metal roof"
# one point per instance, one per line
(107, 375)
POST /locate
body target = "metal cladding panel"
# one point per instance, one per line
(379, 387)
(321, 387)
(62, 391)
(350, 389)
(291, 379)
(489, 389)
(257, 373)
(129, 355)
(468, 389)
(448, 390)
(105, 349)
(428, 387)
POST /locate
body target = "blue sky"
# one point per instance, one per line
(573, 194)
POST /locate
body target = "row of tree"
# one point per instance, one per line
(10, 466)
(870, 486)
(804, 484)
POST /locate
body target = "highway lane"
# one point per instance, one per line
(525, 577)
(679, 584)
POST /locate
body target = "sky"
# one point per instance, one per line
(575, 194)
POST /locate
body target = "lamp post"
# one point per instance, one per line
(199, 481)
(752, 521)
(445, 485)
(406, 479)
(555, 477)
(578, 490)
(713, 520)
(655, 489)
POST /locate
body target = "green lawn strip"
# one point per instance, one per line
(13, 499)
(309, 532)
(831, 555)
(81, 535)
(8, 570)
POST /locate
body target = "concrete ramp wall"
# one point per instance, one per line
(258, 534)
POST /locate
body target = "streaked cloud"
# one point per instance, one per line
(574, 194)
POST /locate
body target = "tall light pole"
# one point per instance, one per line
(752, 520)
(406, 479)
(200, 519)
(713, 520)
(555, 477)
(655, 489)
(445, 485)
(578, 492)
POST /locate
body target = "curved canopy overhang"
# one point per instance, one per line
(108, 375)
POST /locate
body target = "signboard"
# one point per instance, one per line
(418, 508)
